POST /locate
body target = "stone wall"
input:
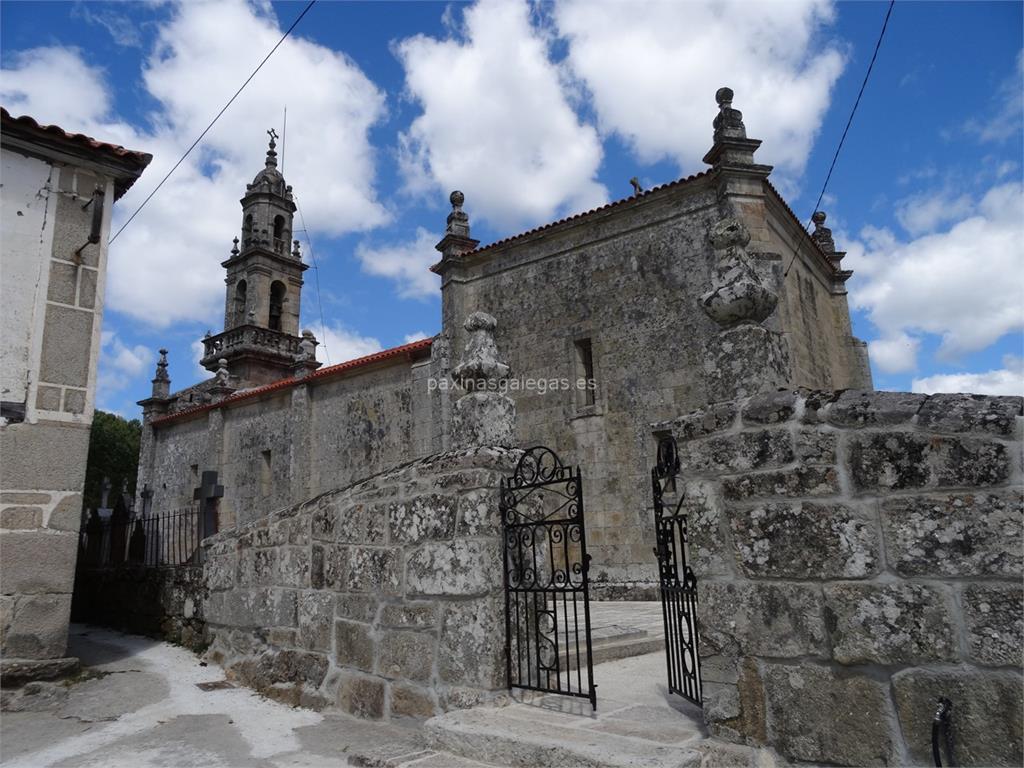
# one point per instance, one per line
(288, 443)
(165, 602)
(51, 302)
(384, 598)
(858, 556)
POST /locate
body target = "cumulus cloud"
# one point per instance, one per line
(165, 268)
(417, 336)
(407, 264)
(925, 213)
(1008, 380)
(894, 355)
(339, 344)
(496, 121)
(653, 68)
(119, 366)
(964, 284)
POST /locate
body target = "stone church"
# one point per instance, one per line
(698, 291)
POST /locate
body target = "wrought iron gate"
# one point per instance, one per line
(677, 581)
(547, 613)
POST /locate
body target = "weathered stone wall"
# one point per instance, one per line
(166, 603)
(858, 556)
(292, 443)
(630, 279)
(384, 598)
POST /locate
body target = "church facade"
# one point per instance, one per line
(698, 291)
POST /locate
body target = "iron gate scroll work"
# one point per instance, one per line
(677, 580)
(547, 610)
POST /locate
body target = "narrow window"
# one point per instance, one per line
(265, 475)
(587, 384)
(195, 473)
(276, 305)
(278, 227)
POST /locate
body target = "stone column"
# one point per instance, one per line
(743, 357)
(484, 415)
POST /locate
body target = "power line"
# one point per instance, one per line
(215, 119)
(316, 274)
(849, 122)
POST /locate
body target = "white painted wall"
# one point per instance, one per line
(27, 207)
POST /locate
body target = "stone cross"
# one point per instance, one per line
(207, 494)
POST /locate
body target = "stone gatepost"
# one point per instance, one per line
(744, 357)
(484, 415)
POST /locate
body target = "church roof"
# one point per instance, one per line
(132, 161)
(323, 373)
(624, 201)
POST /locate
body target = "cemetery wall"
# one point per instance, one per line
(384, 598)
(858, 556)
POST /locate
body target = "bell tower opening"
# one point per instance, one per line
(277, 291)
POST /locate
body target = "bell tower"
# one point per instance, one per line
(261, 341)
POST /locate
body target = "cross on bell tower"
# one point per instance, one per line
(264, 285)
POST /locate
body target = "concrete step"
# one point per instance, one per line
(555, 732)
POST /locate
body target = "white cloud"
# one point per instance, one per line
(925, 213)
(417, 336)
(54, 85)
(894, 355)
(1008, 380)
(343, 345)
(119, 365)
(964, 284)
(165, 268)
(496, 121)
(408, 264)
(1003, 120)
(653, 69)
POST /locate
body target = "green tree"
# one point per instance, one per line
(113, 453)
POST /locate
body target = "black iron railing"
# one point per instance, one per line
(164, 539)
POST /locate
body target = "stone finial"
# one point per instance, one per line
(738, 294)
(234, 248)
(272, 150)
(484, 415)
(161, 380)
(635, 183)
(456, 238)
(307, 347)
(296, 252)
(822, 235)
(732, 148)
(458, 221)
(223, 375)
(728, 122)
(305, 358)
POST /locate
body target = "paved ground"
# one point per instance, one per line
(138, 705)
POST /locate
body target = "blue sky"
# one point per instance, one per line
(538, 111)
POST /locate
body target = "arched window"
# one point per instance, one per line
(240, 301)
(279, 227)
(277, 290)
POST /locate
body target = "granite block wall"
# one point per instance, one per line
(384, 598)
(859, 554)
(166, 603)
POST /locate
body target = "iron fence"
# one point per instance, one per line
(164, 539)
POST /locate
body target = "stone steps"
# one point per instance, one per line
(557, 732)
